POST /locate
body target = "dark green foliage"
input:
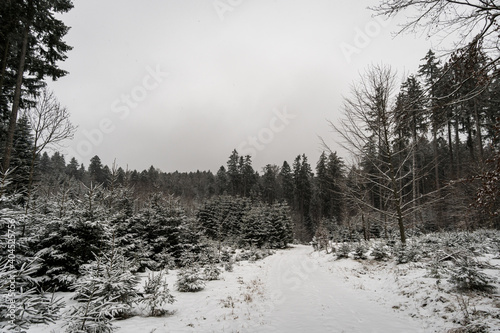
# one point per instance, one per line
(65, 245)
(229, 219)
(222, 217)
(156, 228)
(21, 155)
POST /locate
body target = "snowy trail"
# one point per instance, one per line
(307, 297)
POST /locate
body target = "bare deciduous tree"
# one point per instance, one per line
(50, 124)
(369, 133)
(470, 19)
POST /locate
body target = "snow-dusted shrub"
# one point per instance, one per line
(190, 280)
(466, 276)
(22, 303)
(225, 255)
(343, 251)
(380, 252)
(471, 328)
(228, 266)
(156, 294)
(436, 269)
(106, 290)
(359, 251)
(211, 272)
(407, 253)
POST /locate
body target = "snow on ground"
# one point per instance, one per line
(298, 290)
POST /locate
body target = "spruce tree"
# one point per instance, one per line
(234, 173)
(221, 181)
(287, 185)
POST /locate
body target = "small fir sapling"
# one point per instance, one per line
(211, 272)
(359, 251)
(105, 291)
(466, 276)
(228, 266)
(156, 294)
(190, 279)
(380, 252)
(343, 251)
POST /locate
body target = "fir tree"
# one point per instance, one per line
(286, 179)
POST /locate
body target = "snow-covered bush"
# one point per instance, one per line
(343, 251)
(380, 252)
(22, 299)
(211, 272)
(359, 251)
(156, 294)
(228, 266)
(466, 276)
(22, 302)
(407, 253)
(225, 255)
(106, 290)
(190, 279)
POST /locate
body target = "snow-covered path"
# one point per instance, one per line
(293, 291)
(308, 297)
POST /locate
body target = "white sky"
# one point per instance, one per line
(229, 74)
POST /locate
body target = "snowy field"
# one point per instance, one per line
(299, 290)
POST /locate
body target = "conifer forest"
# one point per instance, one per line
(407, 207)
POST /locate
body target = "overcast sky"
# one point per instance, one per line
(180, 84)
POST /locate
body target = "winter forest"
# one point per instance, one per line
(87, 247)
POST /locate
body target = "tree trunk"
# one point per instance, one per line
(15, 105)
(450, 148)
(4, 65)
(414, 172)
(479, 135)
(457, 149)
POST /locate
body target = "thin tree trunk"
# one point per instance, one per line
(478, 130)
(437, 206)
(450, 147)
(15, 104)
(414, 172)
(4, 65)
(457, 149)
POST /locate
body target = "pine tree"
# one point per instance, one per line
(234, 173)
(270, 186)
(248, 179)
(431, 72)
(221, 181)
(96, 171)
(20, 161)
(72, 169)
(286, 180)
(335, 179)
(302, 176)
